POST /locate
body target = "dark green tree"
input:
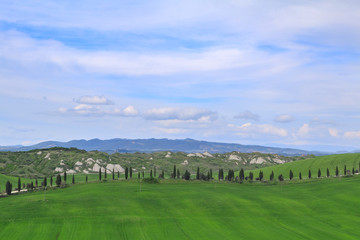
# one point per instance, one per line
(327, 172)
(291, 175)
(51, 180)
(174, 172)
(36, 183)
(45, 182)
(344, 170)
(187, 175)
(58, 180)
(336, 171)
(281, 178)
(154, 171)
(261, 175)
(32, 185)
(198, 173)
(151, 175)
(300, 177)
(138, 175)
(8, 187)
(309, 173)
(353, 171)
(86, 179)
(113, 174)
(105, 173)
(272, 175)
(143, 174)
(73, 179)
(251, 176)
(162, 174)
(100, 174)
(241, 174)
(211, 177)
(130, 172)
(65, 176)
(118, 174)
(319, 173)
(19, 184)
(178, 173)
(126, 172)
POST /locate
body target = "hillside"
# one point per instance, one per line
(324, 209)
(45, 162)
(351, 160)
(158, 145)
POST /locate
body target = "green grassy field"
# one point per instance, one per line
(351, 160)
(321, 209)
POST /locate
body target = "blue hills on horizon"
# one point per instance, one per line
(156, 145)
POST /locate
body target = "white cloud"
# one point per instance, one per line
(130, 111)
(99, 111)
(304, 130)
(248, 116)
(333, 132)
(284, 118)
(352, 134)
(256, 130)
(169, 113)
(94, 100)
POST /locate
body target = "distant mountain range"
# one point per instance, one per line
(156, 145)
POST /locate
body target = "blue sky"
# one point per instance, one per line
(251, 72)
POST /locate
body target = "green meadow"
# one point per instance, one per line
(351, 160)
(320, 209)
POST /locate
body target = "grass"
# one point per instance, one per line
(351, 160)
(318, 209)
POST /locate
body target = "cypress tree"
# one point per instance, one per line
(187, 175)
(300, 177)
(327, 172)
(344, 170)
(32, 185)
(337, 171)
(151, 173)
(163, 174)
(51, 180)
(105, 173)
(178, 173)
(86, 179)
(309, 173)
(261, 175)
(73, 179)
(118, 174)
(113, 174)
(272, 175)
(241, 174)
(353, 171)
(8, 188)
(130, 172)
(154, 171)
(211, 173)
(219, 174)
(251, 176)
(65, 176)
(291, 175)
(58, 180)
(45, 182)
(198, 173)
(143, 174)
(138, 175)
(126, 172)
(174, 172)
(281, 178)
(100, 174)
(319, 173)
(36, 183)
(19, 184)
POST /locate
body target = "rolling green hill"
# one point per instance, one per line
(322, 209)
(46, 162)
(314, 164)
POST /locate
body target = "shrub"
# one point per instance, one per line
(151, 180)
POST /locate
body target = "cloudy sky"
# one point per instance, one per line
(252, 72)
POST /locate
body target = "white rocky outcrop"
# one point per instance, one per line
(47, 156)
(235, 157)
(78, 163)
(207, 154)
(39, 153)
(89, 161)
(258, 160)
(116, 167)
(62, 163)
(59, 169)
(168, 155)
(276, 160)
(71, 171)
(186, 162)
(96, 167)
